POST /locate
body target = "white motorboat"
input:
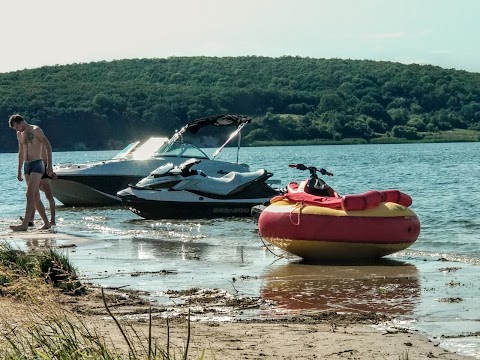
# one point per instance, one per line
(97, 183)
(179, 192)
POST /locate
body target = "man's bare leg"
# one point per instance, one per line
(38, 205)
(33, 183)
(41, 211)
(47, 189)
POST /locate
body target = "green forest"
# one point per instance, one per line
(292, 100)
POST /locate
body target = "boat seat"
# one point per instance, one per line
(229, 184)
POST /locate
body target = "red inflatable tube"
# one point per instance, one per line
(396, 196)
(363, 201)
(372, 198)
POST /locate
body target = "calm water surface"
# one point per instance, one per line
(434, 285)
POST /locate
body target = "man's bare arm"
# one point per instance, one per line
(21, 156)
(46, 145)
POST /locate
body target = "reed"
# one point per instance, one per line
(48, 331)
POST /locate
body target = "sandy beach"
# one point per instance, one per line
(320, 336)
(217, 328)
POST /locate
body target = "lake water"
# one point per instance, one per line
(433, 286)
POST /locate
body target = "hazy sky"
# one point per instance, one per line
(34, 33)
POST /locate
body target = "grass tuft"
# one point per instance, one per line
(58, 270)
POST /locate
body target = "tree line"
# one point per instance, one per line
(103, 105)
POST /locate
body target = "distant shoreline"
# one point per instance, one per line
(450, 136)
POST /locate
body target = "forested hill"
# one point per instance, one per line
(105, 104)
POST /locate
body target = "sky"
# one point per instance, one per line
(36, 33)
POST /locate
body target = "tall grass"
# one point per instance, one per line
(48, 331)
(51, 333)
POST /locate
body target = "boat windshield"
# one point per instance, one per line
(127, 150)
(149, 148)
(181, 149)
(144, 151)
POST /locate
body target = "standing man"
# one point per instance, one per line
(31, 142)
(47, 189)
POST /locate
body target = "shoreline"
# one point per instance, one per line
(222, 325)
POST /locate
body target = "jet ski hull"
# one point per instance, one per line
(153, 205)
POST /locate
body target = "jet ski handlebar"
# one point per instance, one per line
(313, 170)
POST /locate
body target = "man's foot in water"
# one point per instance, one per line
(19, 227)
(30, 223)
(45, 227)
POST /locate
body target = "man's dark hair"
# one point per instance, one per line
(15, 119)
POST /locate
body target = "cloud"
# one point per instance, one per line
(382, 36)
(440, 52)
(409, 61)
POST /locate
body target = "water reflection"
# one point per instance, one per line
(40, 243)
(391, 287)
(169, 249)
(174, 250)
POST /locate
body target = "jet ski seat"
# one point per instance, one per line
(231, 183)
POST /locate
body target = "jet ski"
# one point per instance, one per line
(180, 192)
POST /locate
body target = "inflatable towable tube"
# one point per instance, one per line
(373, 198)
(355, 202)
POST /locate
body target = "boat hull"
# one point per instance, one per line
(98, 185)
(317, 233)
(90, 191)
(153, 205)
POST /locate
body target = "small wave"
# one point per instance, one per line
(466, 259)
(468, 346)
